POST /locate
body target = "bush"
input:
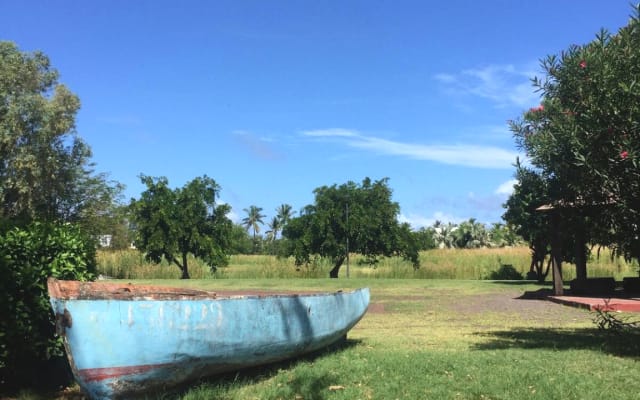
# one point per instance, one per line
(29, 348)
(506, 272)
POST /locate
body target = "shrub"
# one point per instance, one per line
(506, 272)
(29, 348)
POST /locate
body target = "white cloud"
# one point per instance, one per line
(334, 132)
(232, 215)
(454, 154)
(506, 188)
(419, 221)
(504, 85)
(445, 78)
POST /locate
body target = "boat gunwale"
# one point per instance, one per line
(76, 290)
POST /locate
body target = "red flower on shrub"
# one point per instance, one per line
(624, 154)
(583, 64)
(537, 109)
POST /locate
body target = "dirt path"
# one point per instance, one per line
(529, 306)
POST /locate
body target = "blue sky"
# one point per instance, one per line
(273, 99)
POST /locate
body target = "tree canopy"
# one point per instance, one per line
(583, 140)
(171, 223)
(359, 218)
(521, 214)
(46, 172)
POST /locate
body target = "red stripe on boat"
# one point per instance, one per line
(100, 374)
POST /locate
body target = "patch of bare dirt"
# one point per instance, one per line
(376, 308)
(528, 306)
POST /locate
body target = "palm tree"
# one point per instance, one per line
(444, 235)
(274, 228)
(284, 214)
(253, 220)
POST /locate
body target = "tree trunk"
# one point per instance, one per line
(556, 253)
(537, 264)
(544, 276)
(336, 268)
(185, 270)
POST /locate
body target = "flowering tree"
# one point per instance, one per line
(584, 138)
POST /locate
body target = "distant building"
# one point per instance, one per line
(105, 240)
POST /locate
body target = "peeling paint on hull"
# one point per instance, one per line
(138, 343)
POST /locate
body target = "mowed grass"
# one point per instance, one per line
(441, 339)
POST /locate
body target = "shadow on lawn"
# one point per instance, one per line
(618, 344)
(311, 386)
(520, 282)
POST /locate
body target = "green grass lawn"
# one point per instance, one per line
(442, 339)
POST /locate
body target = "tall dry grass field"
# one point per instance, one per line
(461, 264)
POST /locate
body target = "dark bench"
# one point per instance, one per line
(593, 286)
(631, 285)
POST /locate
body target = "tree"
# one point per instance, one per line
(503, 235)
(352, 217)
(584, 138)
(253, 220)
(521, 214)
(284, 214)
(471, 235)
(444, 235)
(240, 241)
(426, 238)
(170, 224)
(274, 227)
(45, 168)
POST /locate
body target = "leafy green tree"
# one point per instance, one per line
(45, 168)
(240, 242)
(584, 138)
(359, 218)
(426, 238)
(502, 235)
(118, 225)
(171, 224)
(522, 216)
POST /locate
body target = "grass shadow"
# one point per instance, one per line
(522, 282)
(625, 345)
(310, 387)
(540, 294)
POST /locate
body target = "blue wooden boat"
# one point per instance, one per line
(123, 339)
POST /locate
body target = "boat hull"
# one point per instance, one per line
(119, 347)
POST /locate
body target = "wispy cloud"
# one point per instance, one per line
(454, 154)
(504, 85)
(258, 146)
